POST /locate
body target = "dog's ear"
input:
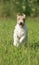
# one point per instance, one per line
(24, 16)
(18, 17)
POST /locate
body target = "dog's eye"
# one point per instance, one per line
(18, 18)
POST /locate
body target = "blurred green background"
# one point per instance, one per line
(11, 7)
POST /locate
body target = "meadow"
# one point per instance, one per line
(10, 55)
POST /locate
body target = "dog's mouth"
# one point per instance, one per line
(21, 24)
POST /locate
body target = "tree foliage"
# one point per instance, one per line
(11, 7)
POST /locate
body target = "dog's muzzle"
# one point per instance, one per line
(21, 24)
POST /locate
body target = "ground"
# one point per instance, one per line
(10, 55)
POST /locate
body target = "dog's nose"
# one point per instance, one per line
(21, 23)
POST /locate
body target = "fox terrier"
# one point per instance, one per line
(20, 31)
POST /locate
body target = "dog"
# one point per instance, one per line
(20, 31)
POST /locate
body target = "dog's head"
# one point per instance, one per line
(21, 20)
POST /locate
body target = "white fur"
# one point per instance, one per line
(20, 35)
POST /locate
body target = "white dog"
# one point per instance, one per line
(20, 32)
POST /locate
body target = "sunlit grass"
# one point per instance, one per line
(10, 55)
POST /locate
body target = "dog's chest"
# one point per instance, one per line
(20, 32)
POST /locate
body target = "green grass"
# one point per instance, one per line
(10, 55)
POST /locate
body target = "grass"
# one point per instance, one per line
(10, 55)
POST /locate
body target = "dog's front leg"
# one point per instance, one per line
(22, 39)
(16, 43)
